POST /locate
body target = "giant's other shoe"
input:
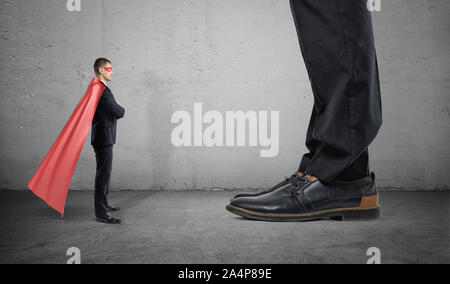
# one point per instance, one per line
(309, 199)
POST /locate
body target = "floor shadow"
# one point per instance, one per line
(130, 200)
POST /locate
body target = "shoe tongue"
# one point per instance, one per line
(311, 178)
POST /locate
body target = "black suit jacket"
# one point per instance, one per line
(104, 123)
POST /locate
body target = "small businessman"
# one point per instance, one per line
(103, 138)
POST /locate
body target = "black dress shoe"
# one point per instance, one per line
(287, 180)
(310, 199)
(110, 209)
(109, 220)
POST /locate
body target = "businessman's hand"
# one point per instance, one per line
(117, 102)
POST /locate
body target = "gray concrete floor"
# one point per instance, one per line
(194, 227)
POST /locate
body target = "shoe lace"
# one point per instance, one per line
(301, 181)
(294, 177)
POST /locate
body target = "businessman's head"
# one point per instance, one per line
(103, 69)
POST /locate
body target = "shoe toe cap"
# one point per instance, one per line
(242, 202)
(252, 204)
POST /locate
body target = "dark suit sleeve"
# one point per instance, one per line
(114, 108)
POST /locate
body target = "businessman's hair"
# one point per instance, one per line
(100, 63)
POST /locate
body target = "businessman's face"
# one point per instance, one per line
(107, 72)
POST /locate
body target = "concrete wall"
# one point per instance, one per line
(228, 55)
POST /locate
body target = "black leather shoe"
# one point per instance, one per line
(287, 180)
(110, 209)
(109, 220)
(310, 199)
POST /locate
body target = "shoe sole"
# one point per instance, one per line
(364, 212)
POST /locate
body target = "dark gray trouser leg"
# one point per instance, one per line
(104, 158)
(337, 44)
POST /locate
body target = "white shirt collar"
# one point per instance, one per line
(104, 83)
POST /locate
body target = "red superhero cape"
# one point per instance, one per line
(52, 179)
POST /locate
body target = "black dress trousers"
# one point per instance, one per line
(103, 137)
(337, 44)
(104, 158)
